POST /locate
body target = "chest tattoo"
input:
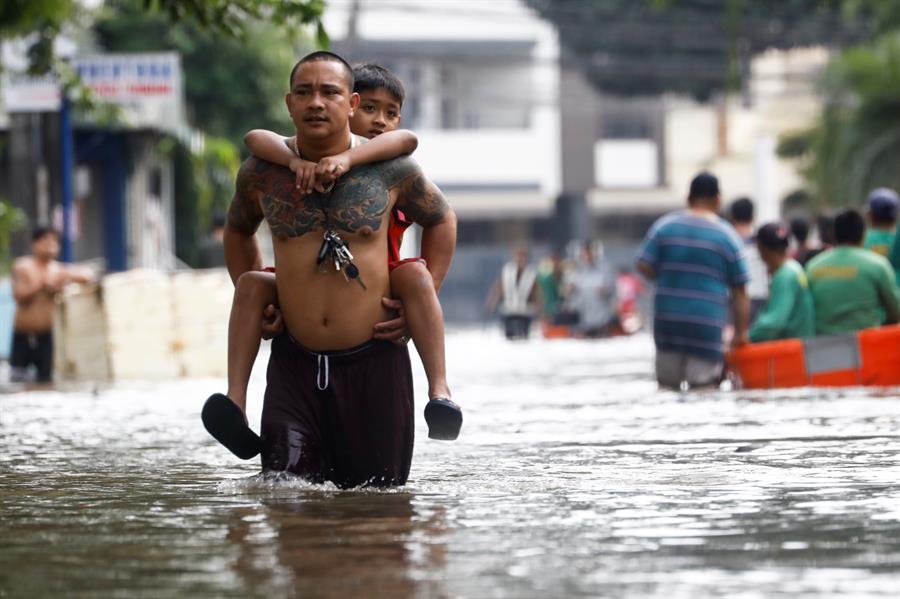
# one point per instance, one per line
(357, 203)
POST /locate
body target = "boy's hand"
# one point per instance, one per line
(272, 323)
(330, 168)
(393, 330)
(306, 174)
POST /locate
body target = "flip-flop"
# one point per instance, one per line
(444, 419)
(225, 422)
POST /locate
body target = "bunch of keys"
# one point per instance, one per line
(338, 251)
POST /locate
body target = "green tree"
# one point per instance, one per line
(42, 18)
(11, 220)
(45, 19)
(231, 84)
(856, 144)
(234, 81)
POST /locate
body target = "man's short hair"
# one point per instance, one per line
(825, 226)
(42, 230)
(741, 210)
(800, 229)
(849, 227)
(369, 76)
(704, 186)
(321, 55)
(773, 236)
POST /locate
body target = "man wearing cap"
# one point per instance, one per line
(695, 258)
(852, 288)
(882, 214)
(789, 312)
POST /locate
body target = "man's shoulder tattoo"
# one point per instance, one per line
(244, 213)
(419, 198)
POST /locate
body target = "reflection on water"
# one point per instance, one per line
(574, 477)
(340, 544)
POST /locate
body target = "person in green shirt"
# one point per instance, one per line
(883, 205)
(550, 277)
(852, 288)
(789, 311)
(895, 255)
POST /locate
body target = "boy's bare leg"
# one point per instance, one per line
(412, 284)
(253, 292)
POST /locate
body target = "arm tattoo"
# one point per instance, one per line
(419, 198)
(244, 213)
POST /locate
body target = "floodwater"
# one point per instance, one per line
(574, 477)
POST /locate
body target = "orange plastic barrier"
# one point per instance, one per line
(870, 357)
(555, 331)
(771, 364)
(880, 350)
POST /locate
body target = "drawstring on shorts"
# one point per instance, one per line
(319, 384)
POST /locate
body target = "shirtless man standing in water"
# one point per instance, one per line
(338, 403)
(36, 281)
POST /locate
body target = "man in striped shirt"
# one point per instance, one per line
(695, 258)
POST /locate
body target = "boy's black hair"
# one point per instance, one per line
(368, 76)
(849, 227)
(800, 229)
(741, 210)
(42, 230)
(323, 55)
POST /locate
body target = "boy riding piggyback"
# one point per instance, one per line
(413, 286)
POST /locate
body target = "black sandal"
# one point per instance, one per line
(444, 419)
(224, 420)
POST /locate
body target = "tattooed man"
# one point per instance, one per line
(338, 405)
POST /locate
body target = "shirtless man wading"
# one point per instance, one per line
(338, 404)
(36, 281)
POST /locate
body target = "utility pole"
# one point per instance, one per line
(352, 41)
(67, 163)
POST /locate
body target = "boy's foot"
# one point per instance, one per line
(224, 420)
(444, 419)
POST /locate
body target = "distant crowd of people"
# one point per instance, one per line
(580, 294)
(715, 276)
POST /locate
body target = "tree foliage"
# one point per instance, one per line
(235, 75)
(43, 20)
(856, 144)
(231, 84)
(12, 219)
(231, 17)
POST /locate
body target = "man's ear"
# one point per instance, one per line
(354, 103)
(287, 101)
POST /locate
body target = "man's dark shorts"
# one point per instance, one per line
(343, 416)
(32, 349)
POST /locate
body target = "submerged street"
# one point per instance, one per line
(573, 477)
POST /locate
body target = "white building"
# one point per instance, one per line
(645, 152)
(482, 87)
(527, 151)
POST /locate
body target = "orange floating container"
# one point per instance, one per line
(880, 350)
(769, 365)
(869, 357)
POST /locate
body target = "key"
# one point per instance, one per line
(352, 272)
(324, 250)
